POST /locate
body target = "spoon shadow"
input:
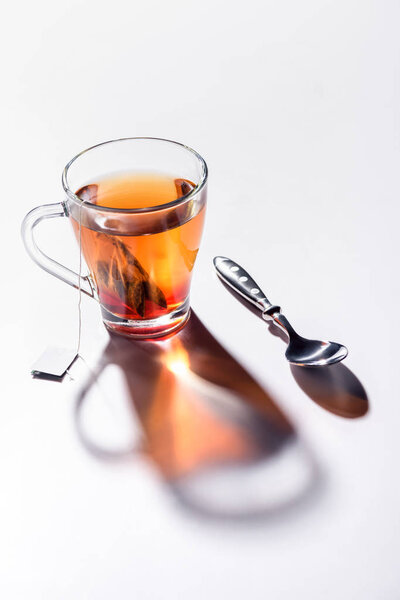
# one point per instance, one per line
(334, 388)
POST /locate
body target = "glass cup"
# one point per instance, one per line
(141, 258)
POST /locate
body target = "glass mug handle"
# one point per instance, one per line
(33, 218)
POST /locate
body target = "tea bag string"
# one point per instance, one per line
(79, 281)
(78, 346)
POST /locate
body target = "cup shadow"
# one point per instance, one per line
(220, 443)
(334, 388)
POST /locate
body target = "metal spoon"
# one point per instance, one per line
(300, 351)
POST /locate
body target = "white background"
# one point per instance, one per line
(295, 107)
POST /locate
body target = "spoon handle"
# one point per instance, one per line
(237, 278)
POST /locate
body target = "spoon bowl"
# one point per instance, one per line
(314, 353)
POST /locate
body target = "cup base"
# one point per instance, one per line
(147, 329)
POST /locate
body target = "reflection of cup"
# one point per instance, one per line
(137, 208)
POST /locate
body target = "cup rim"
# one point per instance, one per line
(156, 208)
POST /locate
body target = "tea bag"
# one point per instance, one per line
(53, 364)
(130, 280)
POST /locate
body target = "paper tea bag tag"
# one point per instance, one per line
(53, 363)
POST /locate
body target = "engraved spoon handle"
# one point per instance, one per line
(237, 278)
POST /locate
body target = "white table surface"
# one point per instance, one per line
(295, 107)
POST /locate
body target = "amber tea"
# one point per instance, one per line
(144, 276)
